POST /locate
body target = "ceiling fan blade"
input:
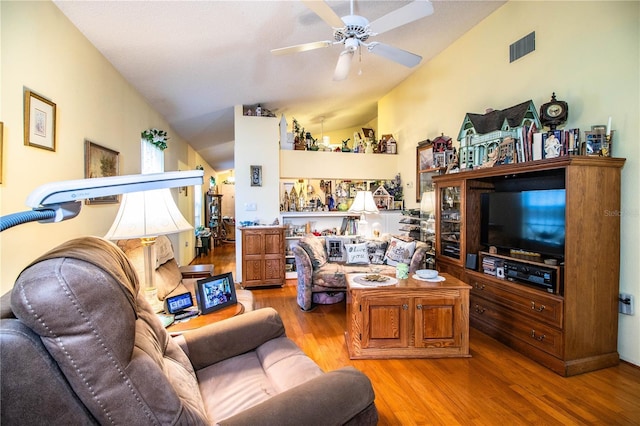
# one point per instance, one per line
(412, 12)
(323, 10)
(400, 56)
(343, 66)
(301, 47)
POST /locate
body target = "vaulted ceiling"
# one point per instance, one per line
(194, 60)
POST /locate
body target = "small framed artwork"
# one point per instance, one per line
(100, 162)
(256, 175)
(369, 133)
(39, 121)
(424, 157)
(215, 293)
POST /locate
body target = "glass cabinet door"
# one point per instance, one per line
(450, 210)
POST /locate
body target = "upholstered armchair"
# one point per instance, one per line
(80, 345)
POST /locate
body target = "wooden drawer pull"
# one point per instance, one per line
(405, 307)
(419, 306)
(538, 338)
(479, 309)
(539, 309)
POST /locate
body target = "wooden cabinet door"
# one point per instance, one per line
(273, 243)
(252, 243)
(263, 257)
(438, 322)
(385, 322)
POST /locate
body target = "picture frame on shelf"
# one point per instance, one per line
(39, 121)
(100, 161)
(216, 292)
(368, 134)
(256, 175)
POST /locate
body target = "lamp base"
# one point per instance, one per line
(151, 294)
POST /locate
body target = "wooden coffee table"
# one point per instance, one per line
(202, 320)
(409, 319)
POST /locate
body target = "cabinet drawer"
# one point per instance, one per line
(535, 333)
(532, 303)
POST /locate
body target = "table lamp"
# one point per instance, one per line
(146, 215)
(363, 204)
(427, 209)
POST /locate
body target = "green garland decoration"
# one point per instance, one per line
(156, 137)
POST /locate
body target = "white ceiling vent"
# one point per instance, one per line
(525, 45)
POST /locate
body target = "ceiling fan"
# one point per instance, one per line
(353, 31)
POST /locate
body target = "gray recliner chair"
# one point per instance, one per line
(80, 345)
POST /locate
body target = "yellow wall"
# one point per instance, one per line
(44, 52)
(586, 52)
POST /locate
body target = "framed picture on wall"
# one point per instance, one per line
(100, 162)
(425, 168)
(424, 156)
(256, 175)
(39, 121)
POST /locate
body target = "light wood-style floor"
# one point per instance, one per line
(496, 386)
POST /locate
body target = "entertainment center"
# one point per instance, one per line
(539, 242)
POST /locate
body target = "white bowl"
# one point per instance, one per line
(427, 273)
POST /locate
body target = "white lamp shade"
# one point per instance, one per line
(428, 202)
(147, 214)
(364, 203)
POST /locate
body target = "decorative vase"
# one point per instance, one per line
(369, 148)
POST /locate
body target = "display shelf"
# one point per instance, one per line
(214, 217)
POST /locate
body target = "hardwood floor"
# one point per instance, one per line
(495, 386)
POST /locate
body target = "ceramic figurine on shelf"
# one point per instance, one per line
(331, 202)
(369, 148)
(293, 200)
(345, 146)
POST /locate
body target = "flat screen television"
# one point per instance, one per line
(526, 220)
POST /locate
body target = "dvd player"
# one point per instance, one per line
(538, 276)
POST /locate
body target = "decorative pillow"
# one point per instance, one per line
(314, 247)
(357, 253)
(399, 252)
(335, 248)
(376, 251)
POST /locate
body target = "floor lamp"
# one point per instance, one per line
(146, 215)
(363, 204)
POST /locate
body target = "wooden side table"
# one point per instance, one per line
(196, 271)
(202, 320)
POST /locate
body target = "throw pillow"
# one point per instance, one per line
(399, 251)
(314, 247)
(376, 250)
(335, 248)
(357, 253)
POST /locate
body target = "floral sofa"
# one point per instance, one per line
(323, 262)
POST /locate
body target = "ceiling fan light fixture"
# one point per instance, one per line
(353, 31)
(343, 66)
(351, 45)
